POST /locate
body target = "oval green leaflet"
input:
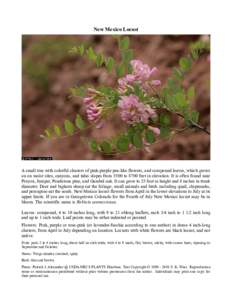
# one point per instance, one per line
(106, 147)
(80, 123)
(69, 127)
(149, 136)
(57, 130)
(122, 143)
(137, 140)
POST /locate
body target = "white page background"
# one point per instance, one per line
(163, 17)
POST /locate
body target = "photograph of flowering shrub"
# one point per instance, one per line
(138, 97)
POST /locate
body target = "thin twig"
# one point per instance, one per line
(193, 124)
(196, 125)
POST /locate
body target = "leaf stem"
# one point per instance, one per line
(193, 124)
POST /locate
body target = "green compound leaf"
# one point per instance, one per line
(149, 136)
(106, 147)
(80, 123)
(165, 132)
(48, 133)
(109, 64)
(122, 143)
(93, 145)
(124, 43)
(191, 93)
(185, 63)
(69, 127)
(137, 140)
(99, 60)
(57, 130)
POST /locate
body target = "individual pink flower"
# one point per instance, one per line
(133, 111)
(122, 82)
(156, 130)
(100, 124)
(130, 78)
(156, 82)
(125, 82)
(88, 100)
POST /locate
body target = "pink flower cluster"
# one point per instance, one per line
(133, 111)
(92, 110)
(142, 73)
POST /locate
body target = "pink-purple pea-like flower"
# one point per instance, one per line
(133, 111)
(92, 110)
(156, 130)
(141, 73)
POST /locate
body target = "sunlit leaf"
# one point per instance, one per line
(90, 53)
(99, 60)
(69, 127)
(80, 123)
(48, 133)
(57, 130)
(110, 64)
(180, 100)
(191, 93)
